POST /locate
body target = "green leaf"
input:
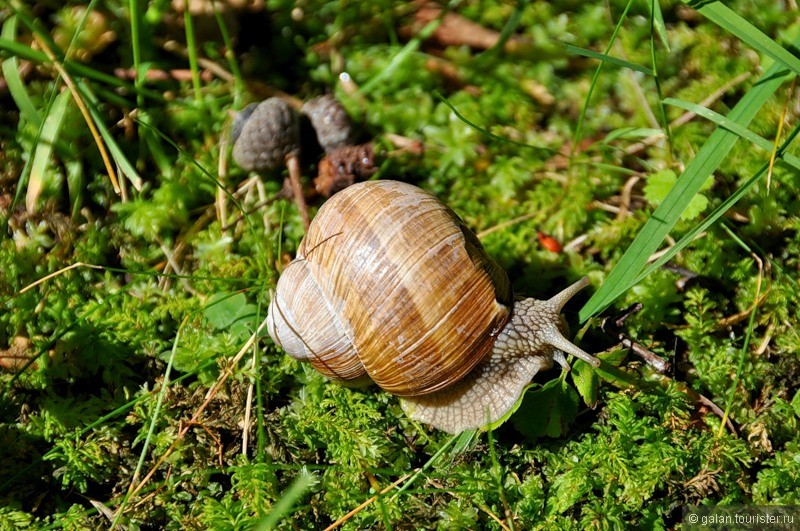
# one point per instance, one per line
(660, 183)
(231, 312)
(796, 403)
(547, 411)
(587, 379)
(586, 382)
(16, 87)
(42, 154)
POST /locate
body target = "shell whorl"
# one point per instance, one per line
(388, 280)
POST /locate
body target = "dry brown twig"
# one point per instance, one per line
(175, 74)
(625, 197)
(456, 30)
(361, 507)
(613, 327)
(134, 489)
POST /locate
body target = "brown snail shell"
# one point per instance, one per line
(389, 285)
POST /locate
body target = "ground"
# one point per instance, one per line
(646, 146)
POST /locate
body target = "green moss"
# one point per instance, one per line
(179, 285)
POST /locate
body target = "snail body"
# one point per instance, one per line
(390, 286)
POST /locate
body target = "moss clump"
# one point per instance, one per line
(128, 304)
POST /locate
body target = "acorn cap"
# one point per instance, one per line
(330, 121)
(264, 134)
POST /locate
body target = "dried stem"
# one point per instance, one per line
(293, 164)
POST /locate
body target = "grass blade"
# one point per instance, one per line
(230, 56)
(707, 160)
(125, 166)
(733, 127)
(730, 21)
(154, 418)
(44, 149)
(658, 23)
(76, 69)
(410, 48)
(714, 216)
(608, 59)
(191, 49)
(438, 95)
(576, 137)
(655, 13)
(15, 85)
(304, 481)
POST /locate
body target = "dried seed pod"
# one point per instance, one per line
(264, 134)
(239, 120)
(389, 285)
(330, 121)
(267, 135)
(344, 166)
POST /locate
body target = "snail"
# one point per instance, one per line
(390, 286)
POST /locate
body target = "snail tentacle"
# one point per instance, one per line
(550, 328)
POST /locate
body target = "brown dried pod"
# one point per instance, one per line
(390, 286)
(330, 121)
(266, 136)
(343, 167)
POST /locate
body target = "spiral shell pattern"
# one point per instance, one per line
(389, 283)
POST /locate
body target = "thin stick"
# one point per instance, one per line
(209, 395)
(493, 516)
(214, 68)
(248, 410)
(222, 176)
(175, 267)
(293, 163)
(56, 273)
(361, 507)
(506, 224)
(778, 134)
(625, 197)
(112, 175)
(738, 374)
